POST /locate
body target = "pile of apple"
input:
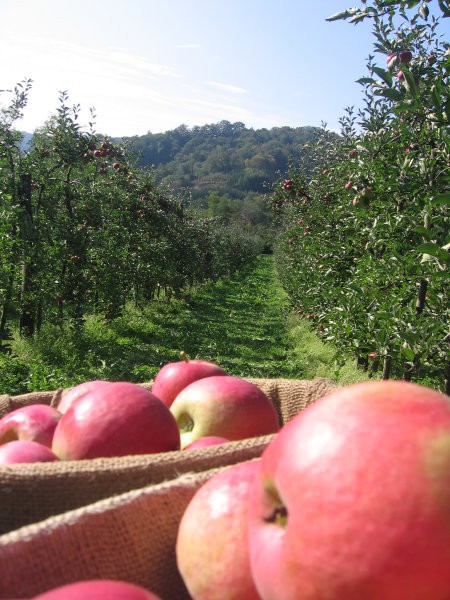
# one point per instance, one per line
(349, 501)
(192, 404)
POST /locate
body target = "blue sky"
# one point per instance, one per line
(151, 65)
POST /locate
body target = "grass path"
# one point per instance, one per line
(244, 324)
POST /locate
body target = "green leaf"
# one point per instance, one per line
(364, 80)
(434, 250)
(392, 94)
(441, 199)
(409, 354)
(384, 75)
(424, 11)
(345, 14)
(423, 231)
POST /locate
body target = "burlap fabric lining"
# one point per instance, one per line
(114, 517)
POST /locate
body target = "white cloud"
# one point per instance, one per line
(233, 89)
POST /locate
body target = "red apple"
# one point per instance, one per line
(117, 419)
(97, 589)
(204, 442)
(175, 376)
(405, 56)
(35, 422)
(352, 498)
(71, 394)
(223, 406)
(212, 547)
(25, 451)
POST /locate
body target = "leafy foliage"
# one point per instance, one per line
(364, 250)
(84, 229)
(224, 158)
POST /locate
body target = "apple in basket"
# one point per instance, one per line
(96, 589)
(71, 394)
(212, 548)
(223, 406)
(206, 442)
(25, 451)
(35, 422)
(352, 498)
(175, 376)
(117, 419)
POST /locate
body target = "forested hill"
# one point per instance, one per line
(223, 158)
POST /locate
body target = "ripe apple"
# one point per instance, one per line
(223, 406)
(405, 56)
(117, 419)
(204, 442)
(212, 546)
(71, 394)
(175, 376)
(35, 422)
(352, 498)
(94, 589)
(25, 451)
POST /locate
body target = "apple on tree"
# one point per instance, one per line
(25, 451)
(96, 589)
(212, 548)
(117, 419)
(36, 422)
(223, 406)
(175, 376)
(352, 498)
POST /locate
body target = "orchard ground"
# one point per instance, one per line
(244, 324)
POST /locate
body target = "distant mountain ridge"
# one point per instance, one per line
(225, 158)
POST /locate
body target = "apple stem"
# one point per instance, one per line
(278, 517)
(183, 356)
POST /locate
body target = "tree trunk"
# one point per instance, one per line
(27, 303)
(386, 368)
(5, 307)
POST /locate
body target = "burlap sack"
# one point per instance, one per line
(115, 517)
(130, 537)
(32, 492)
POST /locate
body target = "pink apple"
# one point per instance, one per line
(175, 376)
(25, 451)
(223, 406)
(115, 420)
(352, 498)
(35, 422)
(71, 394)
(204, 442)
(98, 589)
(212, 547)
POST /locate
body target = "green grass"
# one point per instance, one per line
(244, 324)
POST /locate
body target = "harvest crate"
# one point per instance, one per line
(114, 517)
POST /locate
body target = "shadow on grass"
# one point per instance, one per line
(239, 323)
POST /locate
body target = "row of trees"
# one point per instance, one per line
(364, 249)
(83, 228)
